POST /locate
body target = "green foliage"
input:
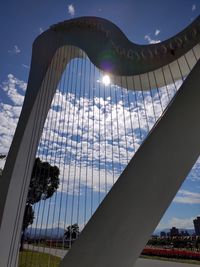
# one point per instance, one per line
(158, 242)
(72, 232)
(28, 216)
(175, 242)
(44, 181)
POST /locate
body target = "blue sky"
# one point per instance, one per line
(142, 22)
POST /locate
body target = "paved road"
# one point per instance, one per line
(53, 251)
(157, 263)
(139, 263)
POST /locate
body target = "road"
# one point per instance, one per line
(157, 263)
(53, 251)
(139, 263)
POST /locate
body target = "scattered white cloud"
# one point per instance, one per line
(194, 7)
(150, 40)
(71, 10)
(11, 88)
(157, 32)
(75, 146)
(40, 30)
(72, 138)
(9, 113)
(187, 197)
(92, 178)
(194, 174)
(180, 223)
(15, 50)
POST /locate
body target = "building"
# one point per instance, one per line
(174, 232)
(197, 225)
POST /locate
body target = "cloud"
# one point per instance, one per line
(194, 7)
(9, 112)
(150, 40)
(15, 50)
(89, 137)
(90, 177)
(187, 197)
(75, 146)
(86, 134)
(157, 32)
(40, 30)
(71, 10)
(194, 174)
(181, 223)
(11, 88)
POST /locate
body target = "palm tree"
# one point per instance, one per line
(72, 233)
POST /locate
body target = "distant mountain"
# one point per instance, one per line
(58, 232)
(167, 230)
(45, 233)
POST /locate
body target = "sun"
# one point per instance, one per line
(106, 80)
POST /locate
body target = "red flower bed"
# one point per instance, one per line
(171, 253)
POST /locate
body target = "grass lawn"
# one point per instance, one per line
(170, 259)
(37, 259)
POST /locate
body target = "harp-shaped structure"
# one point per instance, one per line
(137, 126)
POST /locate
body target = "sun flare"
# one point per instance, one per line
(106, 80)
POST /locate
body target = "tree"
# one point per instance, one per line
(72, 233)
(28, 220)
(44, 182)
